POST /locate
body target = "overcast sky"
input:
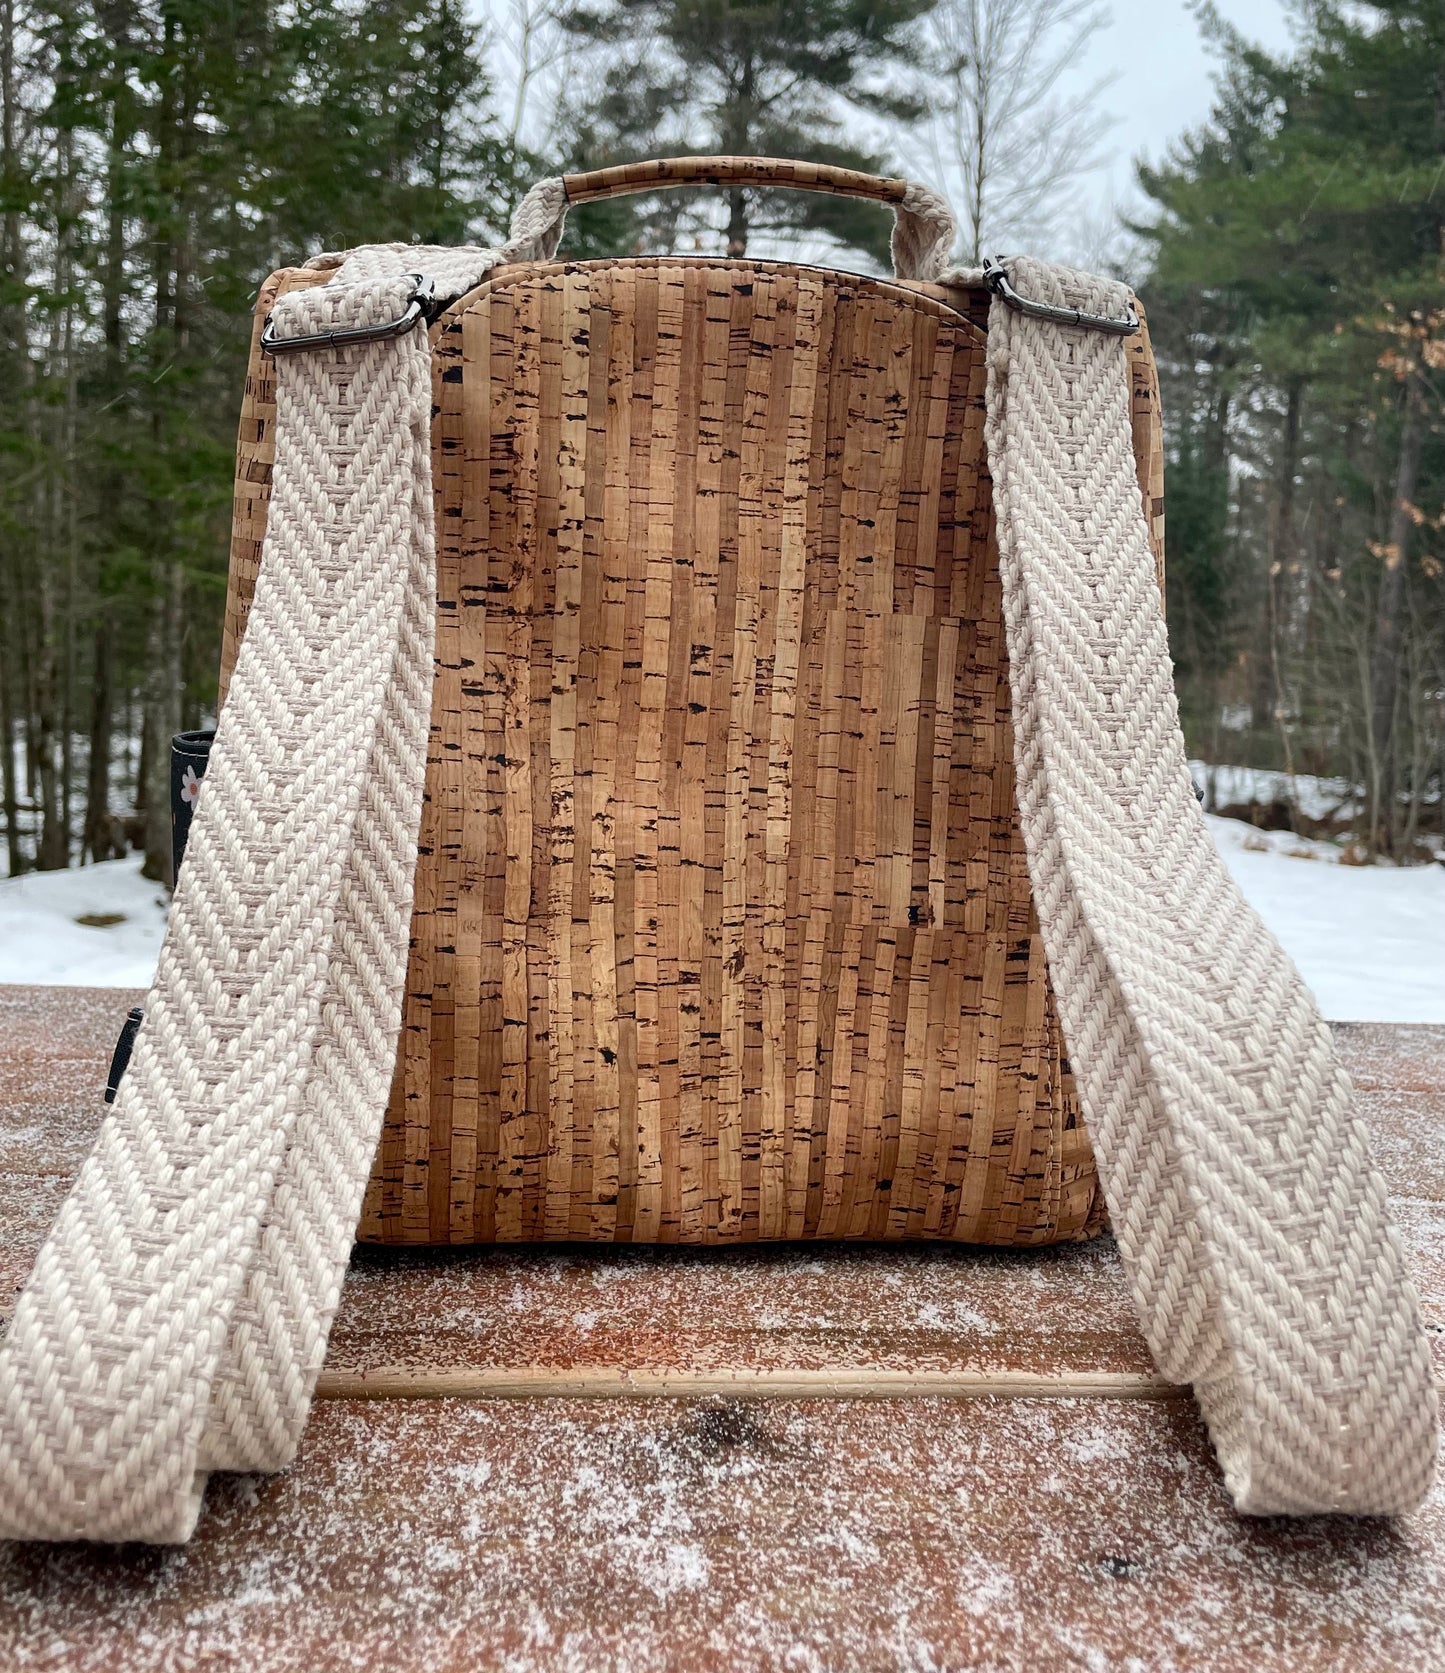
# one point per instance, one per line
(1164, 76)
(1162, 85)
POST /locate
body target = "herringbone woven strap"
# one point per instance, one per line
(178, 1312)
(1250, 1217)
(177, 1315)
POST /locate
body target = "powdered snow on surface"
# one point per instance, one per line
(1369, 940)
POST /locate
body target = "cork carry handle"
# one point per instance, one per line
(923, 233)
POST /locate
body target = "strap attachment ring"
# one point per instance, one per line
(995, 276)
(417, 309)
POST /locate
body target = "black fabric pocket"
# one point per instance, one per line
(190, 756)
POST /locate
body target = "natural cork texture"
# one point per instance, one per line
(723, 927)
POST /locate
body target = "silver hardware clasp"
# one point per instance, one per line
(418, 305)
(995, 276)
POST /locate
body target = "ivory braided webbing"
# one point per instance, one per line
(1251, 1220)
(178, 1313)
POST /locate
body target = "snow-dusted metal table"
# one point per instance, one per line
(798, 1480)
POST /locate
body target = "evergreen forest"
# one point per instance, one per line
(159, 157)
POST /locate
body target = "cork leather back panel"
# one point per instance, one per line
(723, 927)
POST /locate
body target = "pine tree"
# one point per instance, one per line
(157, 159)
(776, 78)
(1300, 236)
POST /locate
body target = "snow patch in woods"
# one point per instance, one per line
(1370, 940)
(42, 942)
(1316, 798)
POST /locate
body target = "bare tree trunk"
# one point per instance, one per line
(103, 838)
(162, 722)
(1419, 761)
(100, 839)
(1390, 612)
(14, 379)
(1282, 564)
(69, 530)
(737, 138)
(163, 685)
(53, 850)
(1017, 138)
(738, 228)
(9, 788)
(982, 165)
(13, 267)
(67, 716)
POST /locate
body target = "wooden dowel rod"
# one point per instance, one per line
(610, 1383)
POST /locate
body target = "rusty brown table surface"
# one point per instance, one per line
(835, 1457)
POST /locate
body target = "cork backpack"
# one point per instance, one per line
(697, 763)
(723, 927)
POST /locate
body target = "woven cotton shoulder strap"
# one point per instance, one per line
(177, 1316)
(1250, 1217)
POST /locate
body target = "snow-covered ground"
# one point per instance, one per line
(1370, 940)
(41, 940)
